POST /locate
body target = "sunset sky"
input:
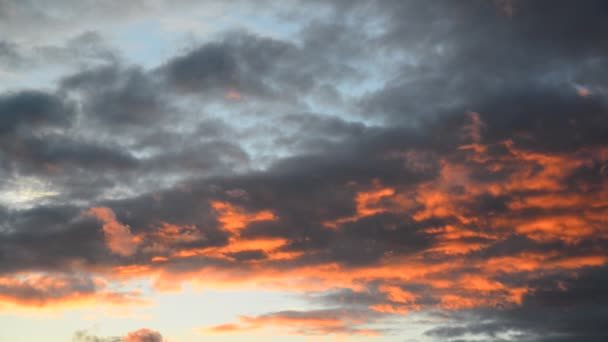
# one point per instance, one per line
(303, 170)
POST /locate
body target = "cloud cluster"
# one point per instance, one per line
(389, 159)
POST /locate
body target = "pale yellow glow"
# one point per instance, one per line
(26, 190)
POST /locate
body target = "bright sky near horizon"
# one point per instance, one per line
(390, 170)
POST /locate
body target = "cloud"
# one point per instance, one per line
(47, 291)
(9, 54)
(141, 335)
(245, 64)
(114, 92)
(87, 48)
(33, 109)
(85, 336)
(119, 238)
(547, 313)
(387, 160)
(144, 335)
(322, 322)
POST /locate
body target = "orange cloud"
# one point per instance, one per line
(376, 201)
(234, 218)
(456, 302)
(119, 238)
(584, 92)
(162, 239)
(474, 128)
(320, 322)
(233, 95)
(367, 202)
(47, 291)
(536, 202)
(236, 245)
(171, 234)
(390, 309)
(396, 294)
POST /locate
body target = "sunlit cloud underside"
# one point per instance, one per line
(303, 170)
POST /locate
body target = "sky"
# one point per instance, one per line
(294, 171)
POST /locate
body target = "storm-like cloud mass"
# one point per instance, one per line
(382, 159)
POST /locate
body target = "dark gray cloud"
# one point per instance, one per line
(119, 96)
(475, 52)
(30, 110)
(253, 66)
